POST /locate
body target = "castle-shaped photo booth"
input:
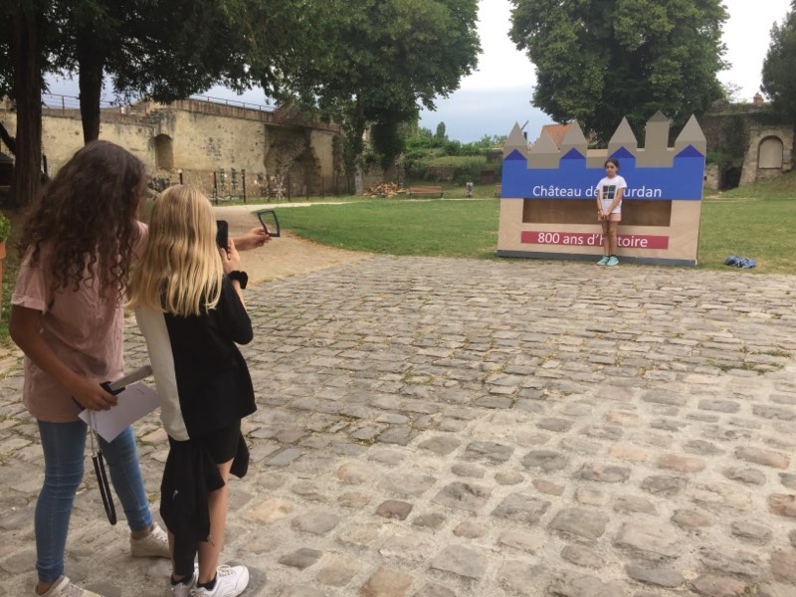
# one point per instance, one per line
(548, 205)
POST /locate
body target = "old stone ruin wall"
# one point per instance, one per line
(750, 147)
(199, 138)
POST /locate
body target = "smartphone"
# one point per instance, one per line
(222, 236)
(269, 222)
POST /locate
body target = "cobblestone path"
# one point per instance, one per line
(442, 427)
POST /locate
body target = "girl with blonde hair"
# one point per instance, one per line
(188, 303)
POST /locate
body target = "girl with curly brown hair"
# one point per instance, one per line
(80, 237)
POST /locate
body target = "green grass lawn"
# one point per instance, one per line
(746, 222)
(752, 221)
(444, 227)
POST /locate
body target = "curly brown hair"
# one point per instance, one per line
(87, 213)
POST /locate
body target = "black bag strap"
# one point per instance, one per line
(102, 476)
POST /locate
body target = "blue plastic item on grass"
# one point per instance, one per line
(747, 263)
(732, 260)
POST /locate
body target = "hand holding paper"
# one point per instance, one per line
(134, 402)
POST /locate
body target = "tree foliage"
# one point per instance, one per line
(381, 59)
(599, 60)
(159, 49)
(779, 72)
(360, 61)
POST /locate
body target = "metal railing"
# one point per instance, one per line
(233, 103)
(57, 101)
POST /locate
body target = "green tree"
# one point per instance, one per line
(24, 25)
(160, 49)
(441, 135)
(167, 50)
(384, 58)
(779, 74)
(597, 61)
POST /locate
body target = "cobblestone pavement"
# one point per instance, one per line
(441, 427)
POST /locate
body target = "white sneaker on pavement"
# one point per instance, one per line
(231, 581)
(153, 545)
(64, 588)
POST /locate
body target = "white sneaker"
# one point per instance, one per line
(63, 588)
(183, 589)
(153, 545)
(231, 581)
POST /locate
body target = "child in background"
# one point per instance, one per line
(79, 239)
(189, 306)
(610, 191)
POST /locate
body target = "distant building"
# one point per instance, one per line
(744, 145)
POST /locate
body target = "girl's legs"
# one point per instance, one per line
(122, 457)
(611, 237)
(64, 452)
(606, 237)
(209, 551)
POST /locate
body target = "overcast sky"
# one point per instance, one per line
(498, 94)
(492, 99)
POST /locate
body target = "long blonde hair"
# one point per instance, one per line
(180, 270)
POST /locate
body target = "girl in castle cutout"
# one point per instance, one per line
(610, 191)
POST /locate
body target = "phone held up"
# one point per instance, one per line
(222, 235)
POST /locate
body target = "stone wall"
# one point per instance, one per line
(712, 177)
(753, 169)
(62, 136)
(740, 131)
(200, 138)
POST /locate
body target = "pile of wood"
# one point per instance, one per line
(385, 189)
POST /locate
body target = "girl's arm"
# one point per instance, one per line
(230, 260)
(599, 200)
(253, 239)
(620, 192)
(23, 326)
(238, 323)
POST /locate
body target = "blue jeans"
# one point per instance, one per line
(64, 446)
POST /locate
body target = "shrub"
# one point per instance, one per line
(5, 227)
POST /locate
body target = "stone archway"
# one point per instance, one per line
(164, 152)
(305, 174)
(770, 153)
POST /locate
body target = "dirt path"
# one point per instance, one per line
(285, 256)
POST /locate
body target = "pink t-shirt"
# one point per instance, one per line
(84, 330)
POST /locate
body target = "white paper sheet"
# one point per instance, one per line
(136, 401)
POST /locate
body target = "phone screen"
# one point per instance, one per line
(222, 236)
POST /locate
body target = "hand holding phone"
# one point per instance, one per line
(222, 235)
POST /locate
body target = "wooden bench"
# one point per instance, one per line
(498, 190)
(425, 191)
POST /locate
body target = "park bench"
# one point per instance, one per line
(425, 191)
(498, 190)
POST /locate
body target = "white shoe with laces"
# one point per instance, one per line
(231, 581)
(153, 545)
(64, 588)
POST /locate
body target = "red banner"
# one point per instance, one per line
(586, 239)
